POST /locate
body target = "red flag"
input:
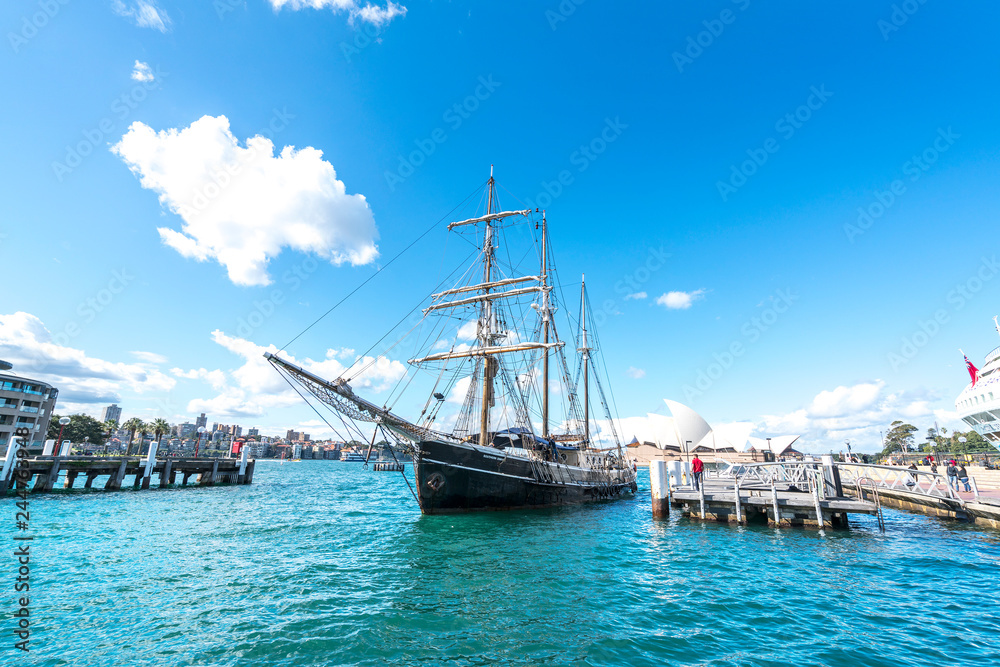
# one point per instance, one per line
(973, 371)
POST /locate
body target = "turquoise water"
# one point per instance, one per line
(319, 563)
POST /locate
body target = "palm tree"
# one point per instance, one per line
(134, 424)
(143, 432)
(159, 426)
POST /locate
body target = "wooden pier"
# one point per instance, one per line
(41, 473)
(816, 493)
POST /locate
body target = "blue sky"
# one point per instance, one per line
(739, 138)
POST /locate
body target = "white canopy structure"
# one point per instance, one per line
(686, 430)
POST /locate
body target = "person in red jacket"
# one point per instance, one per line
(697, 470)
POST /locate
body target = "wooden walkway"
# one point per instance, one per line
(41, 473)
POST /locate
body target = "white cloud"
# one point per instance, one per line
(142, 72)
(29, 346)
(216, 378)
(845, 400)
(374, 14)
(856, 413)
(242, 206)
(253, 388)
(680, 300)
(635, 373)
(468, 331)
(149, 357)
(636, 296)
(144, 13)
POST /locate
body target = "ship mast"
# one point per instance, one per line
(585, 350)
(545, 333)
(484, 324)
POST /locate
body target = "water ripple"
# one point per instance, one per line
(319, 563)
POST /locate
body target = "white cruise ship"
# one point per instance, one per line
(979, 403)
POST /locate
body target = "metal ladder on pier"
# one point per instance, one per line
(860, 483)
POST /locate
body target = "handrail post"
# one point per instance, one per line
(975, 489)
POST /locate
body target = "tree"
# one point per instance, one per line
(134, 424)
(899, 438)
(159, 426)
(79, 428)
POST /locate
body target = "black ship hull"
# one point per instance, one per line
(459, 477)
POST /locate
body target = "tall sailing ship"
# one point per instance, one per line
(505, 447)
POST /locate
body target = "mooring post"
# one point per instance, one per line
(659, 486)
(701, 496)
(150, 462)
(250, 468)
(241, 476)
(13, 444)
(739, 510)
(774, 504)
(165, 473)
(819, 506)
(45, 482)
(70, 478)
(115, 481)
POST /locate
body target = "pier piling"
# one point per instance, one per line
(659, 482)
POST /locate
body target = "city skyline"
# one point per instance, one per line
(783, 214)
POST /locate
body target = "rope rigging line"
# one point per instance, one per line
(383, 267)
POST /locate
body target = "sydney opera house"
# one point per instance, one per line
(686, 432)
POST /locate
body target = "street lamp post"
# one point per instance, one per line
(62, 424)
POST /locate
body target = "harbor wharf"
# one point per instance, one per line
(818, 493)
(41, 473)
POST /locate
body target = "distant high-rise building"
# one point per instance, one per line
(253, 433)
(186, 429)
(111, 412)
(200, 421)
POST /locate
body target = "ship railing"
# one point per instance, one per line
(992, 355)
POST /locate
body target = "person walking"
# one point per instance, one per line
(952, 472)
(913, 477)
(963, 476)
(697, 470)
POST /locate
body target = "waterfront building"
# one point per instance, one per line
(25, 403)
(979, 403)
(111, 412)
(200, 421)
